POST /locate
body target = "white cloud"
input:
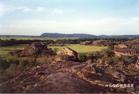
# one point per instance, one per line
(36, 9)
(57, 11)
(2, 9)
(8, 8)
(26, 9)
(94, 26)
(40, 9)
(29, 9)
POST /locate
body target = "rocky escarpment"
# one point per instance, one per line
(128, 48)
(73, 77)
(98, 43)
(68, 75)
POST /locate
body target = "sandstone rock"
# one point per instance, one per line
(68, 54)
(102, 43)
(137, 64)
(117, 75)
(128, 48)
(122, 46)
(63, 82)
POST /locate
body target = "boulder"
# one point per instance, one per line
(68, 54)
(102, 43)
(122, 46)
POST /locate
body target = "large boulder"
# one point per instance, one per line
(68, 54)
(34, 49)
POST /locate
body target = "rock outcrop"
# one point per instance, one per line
(68, 76)
(102, 43)
(68, 54)
(128, 48)
(61, 77)
(34, 49)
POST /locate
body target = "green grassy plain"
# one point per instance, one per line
(35, 38)
(81, 48)
(4, 50)
(77, 47)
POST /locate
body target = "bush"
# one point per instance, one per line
(82, 57)
(129, 60)
(29, 62)
(115, 59)
(4, 64)
(108, 52)
(10, 67)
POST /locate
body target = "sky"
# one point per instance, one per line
(97, 17)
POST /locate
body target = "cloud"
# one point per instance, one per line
(93, 26)
(5, 9)
(29, 9)
(35, 9)
(26, 9)
(40, 9)
(57, 11)
(2, 9)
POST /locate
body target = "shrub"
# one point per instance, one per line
(82, 57)
(4, 64)
(25, 63)
(129, 59)
(115, 59)
(108, 52)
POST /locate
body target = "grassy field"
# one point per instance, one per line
(81, 48)
(77, 47)
(34, 38)
(4, 50)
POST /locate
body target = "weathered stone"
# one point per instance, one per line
(122, 46)
(68, 54)
(117, 75)
(102, 43)
(137, 64)
(128, 48)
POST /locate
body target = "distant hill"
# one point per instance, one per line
(61, 35)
